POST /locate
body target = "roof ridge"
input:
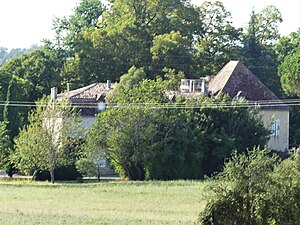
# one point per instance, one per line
(75, 92)
(221, 81)
(84, 89)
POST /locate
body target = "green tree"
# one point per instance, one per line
(44, 142)
(27, 78)
(5, 148)
(288, 50)
(289, 72)
(68, 30)
(125, 34)
(219, 41)
(39, 71)
(174, 51)
(258, 51)
(287, 45)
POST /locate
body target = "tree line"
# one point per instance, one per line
(147, 39)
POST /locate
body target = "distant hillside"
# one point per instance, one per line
(6, 54)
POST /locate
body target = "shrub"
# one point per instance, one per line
(61, 173)
(254, 188)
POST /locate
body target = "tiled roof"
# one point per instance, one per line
(235, 80)
(92, 92)
(172, 95)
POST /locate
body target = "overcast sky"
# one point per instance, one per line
(26, 22)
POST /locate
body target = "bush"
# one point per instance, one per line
(61, 173)
(255, 188)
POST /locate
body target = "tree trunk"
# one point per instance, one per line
(34, 175)
(52, 175)
(98, 174)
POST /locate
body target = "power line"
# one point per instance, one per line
(170, 105)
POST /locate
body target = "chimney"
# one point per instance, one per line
(191, 85)
(53, 93)
(108, 84)
(204, 87)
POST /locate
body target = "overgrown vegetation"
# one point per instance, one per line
(255, 188)
(152, 40)
(186, 141)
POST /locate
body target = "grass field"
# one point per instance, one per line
(118, 202)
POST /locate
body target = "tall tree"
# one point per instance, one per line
(174, 51)
(289, 72)
(287, 45)
(5, 148)
(125, 34)
(69, 29)
(288, 50)
(219, 41)
(258, 51)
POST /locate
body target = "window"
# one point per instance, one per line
(275, 128)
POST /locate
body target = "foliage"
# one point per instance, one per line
(174, 51)
(254, 188)
(288, 50)
(125, 35)
(44, 142)
(5, 147)
(93, 164)
(287, 45)
(294, 131)
(68, 30)
(258, 52)
(289, 72)
(219, 41)
(147, 136)
(62, 173)
(26, 79)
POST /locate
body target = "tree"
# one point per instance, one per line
(258, 52)
(287, 45)
(68, 30)
(172, 50)
(289, 72)
(44, 142)
(125, 34)
(5, 55)
(288, 50)
(38, 69)
(5, 148)
(219, 41)
(27, 78)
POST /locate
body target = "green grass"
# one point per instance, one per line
(119, 202)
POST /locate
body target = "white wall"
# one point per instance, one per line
(279, 140)
(88, 121)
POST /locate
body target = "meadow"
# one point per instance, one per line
(115, 202)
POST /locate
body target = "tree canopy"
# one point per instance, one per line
(43, 143)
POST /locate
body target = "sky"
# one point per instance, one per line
(27, 22)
